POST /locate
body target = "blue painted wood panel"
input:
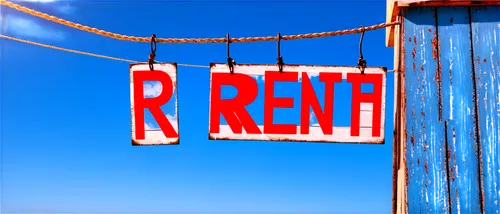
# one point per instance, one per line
(425, 139)
(485, 23)
(459, 109)
(452, 81)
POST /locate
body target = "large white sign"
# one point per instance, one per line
(367, 109)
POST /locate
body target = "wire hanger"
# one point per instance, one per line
(152, 55)
(361, 61)
(230, 61)
(280, 58)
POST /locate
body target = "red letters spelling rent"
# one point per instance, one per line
(238, 118)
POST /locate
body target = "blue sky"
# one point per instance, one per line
(65, 118)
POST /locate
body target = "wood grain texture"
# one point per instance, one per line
(451, 97)
(459, 112)
(425, 139)
(400, 168)
(485, 23)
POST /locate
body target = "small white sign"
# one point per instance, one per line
(153, 97)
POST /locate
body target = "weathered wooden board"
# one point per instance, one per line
(461, 145)
(166, 75)
(459, 109)
(399, 199)
(485, 22)
(425, 139)
(363, 113)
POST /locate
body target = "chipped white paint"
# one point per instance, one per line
(340, 134)
(155, 136)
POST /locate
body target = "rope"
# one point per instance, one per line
(87, 53)
(188, 40)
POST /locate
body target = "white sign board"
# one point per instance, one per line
(367, 109)
(153, 97)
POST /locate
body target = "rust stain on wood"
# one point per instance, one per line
(406, 175)
(412, 138)
(434, 42)
(439, 91)
(426, 168)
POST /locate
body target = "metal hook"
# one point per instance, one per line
(230, 61)
(361, 61)
(152, 55)
(280, 58)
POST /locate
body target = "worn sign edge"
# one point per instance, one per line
(375, 141)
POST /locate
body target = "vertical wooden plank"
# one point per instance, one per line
(425, 140)
(403, 200)
(455, 57)
(485, 23)
(395, 140)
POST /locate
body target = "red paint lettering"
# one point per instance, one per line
(153, 104)
(309, 99)
(358, 98)
(271, 102)
(233, 110)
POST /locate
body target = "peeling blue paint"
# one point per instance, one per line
(485, 22)
(451, 74)
(425, 142)
(459, 110)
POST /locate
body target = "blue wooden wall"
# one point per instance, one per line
(450, 65)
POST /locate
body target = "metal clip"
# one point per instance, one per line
(230, 61)
(152, 55)
(280, 58)
(361, 61)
